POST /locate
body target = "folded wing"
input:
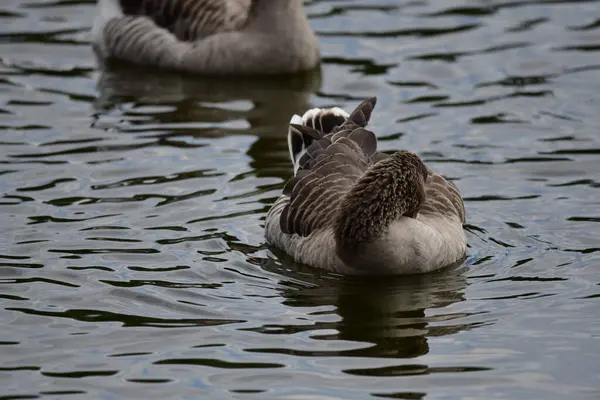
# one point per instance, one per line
(161, 32)
(191, 19)
(327, 169)
(442, 197)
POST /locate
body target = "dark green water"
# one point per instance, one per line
(132, 258)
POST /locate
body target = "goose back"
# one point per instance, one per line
(329, 167)
(191, 20)
(302, 221)
(213, 37)
(442, 198)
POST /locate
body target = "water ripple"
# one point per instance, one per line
(134, 201)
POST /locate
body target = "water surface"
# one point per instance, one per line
(132, 258)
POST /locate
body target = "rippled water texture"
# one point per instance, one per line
(132, 258)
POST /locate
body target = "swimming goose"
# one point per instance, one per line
(214, 37)
(353, 210)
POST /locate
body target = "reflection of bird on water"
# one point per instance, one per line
(216, 37)
(356, 211)
(213, 107)
(394, 314)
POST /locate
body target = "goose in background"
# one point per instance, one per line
(212, 37)
(201, 107)
(353, 210)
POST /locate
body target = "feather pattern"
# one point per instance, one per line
(207, 36)
(414, 227)
(191, 19)
(312, 125)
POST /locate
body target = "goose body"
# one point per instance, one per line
(353, 210)
(212, 37)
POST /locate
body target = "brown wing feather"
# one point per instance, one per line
(333, 162)
(361, 115)
(139, 40)
(191, 20)
(442, 197)
(328, 170)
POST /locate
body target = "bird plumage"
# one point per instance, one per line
(351, 209)
(214, 37)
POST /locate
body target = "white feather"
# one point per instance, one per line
(314, 113)
(297, 120)
(309, 116)
(106, 10)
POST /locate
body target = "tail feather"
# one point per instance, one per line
(321, 120)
